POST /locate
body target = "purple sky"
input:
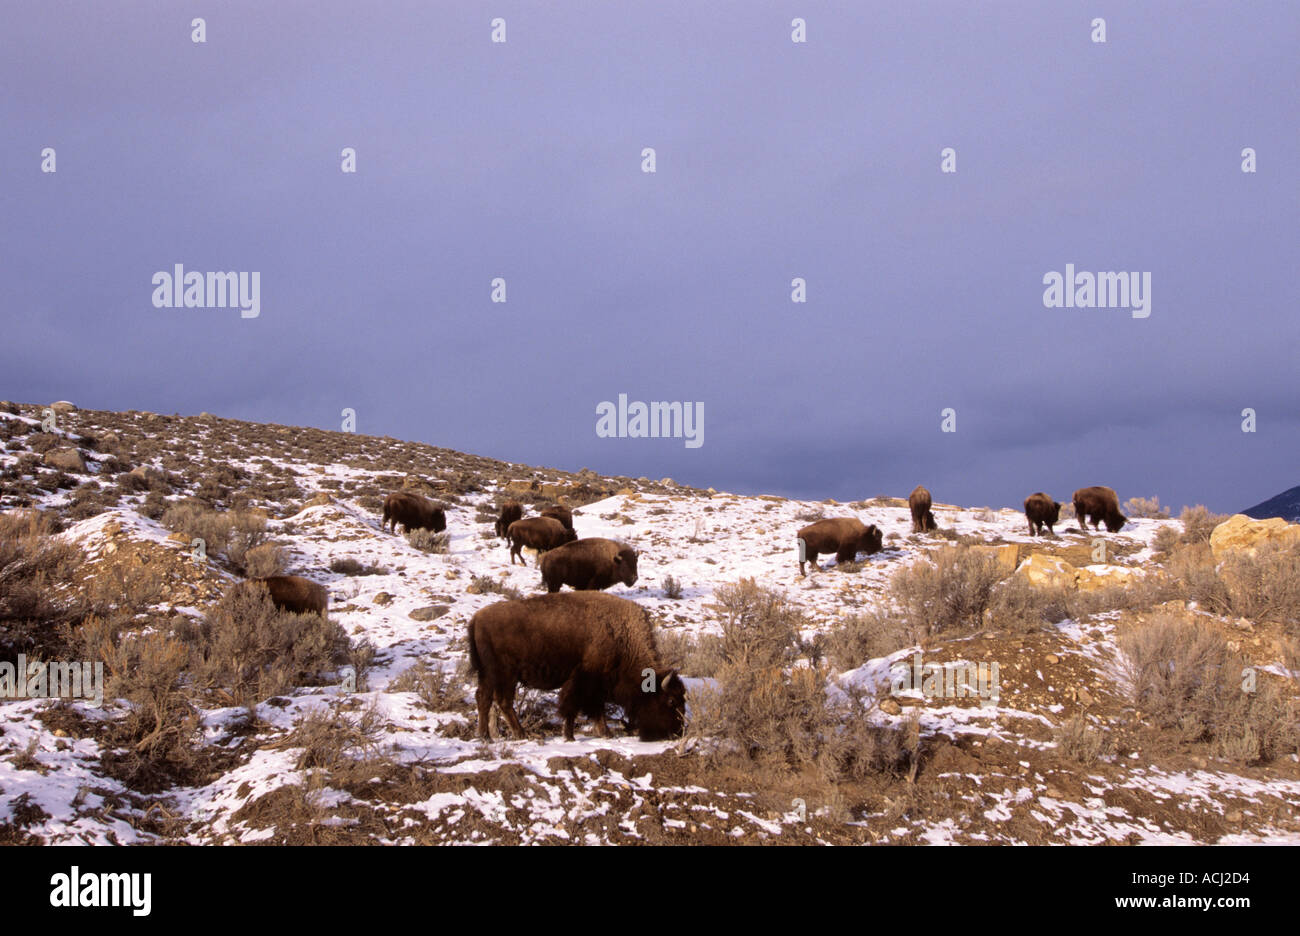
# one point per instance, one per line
(775, 160)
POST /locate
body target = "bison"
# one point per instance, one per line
(844, 536)
(1041, 511)
(413, 512)
(595, 648)
(539, 533)
(510, 512)
(922, 518)
(591, 564)
(561, 513)
(295, 593)
(1100, 505)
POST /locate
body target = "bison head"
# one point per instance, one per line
(1056, 513)
(625, 565)
(662, 713)
(872, 540)
(1115, 522)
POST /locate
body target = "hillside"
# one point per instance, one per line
(1285, 505)
(805, 745)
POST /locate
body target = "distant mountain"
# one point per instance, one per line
(1285, 505)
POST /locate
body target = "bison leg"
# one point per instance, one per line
(484, 699)
(506, 700)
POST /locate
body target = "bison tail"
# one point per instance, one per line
(475, 664)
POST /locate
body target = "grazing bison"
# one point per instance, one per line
(1100, 505)
(295, 593)
(592, 564)
(561, 513)
(1041, 511)
(844, 536)
(539, 533)
(922, 518)
(510, 512)
(595, 648)
(414, 512)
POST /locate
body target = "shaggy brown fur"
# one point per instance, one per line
(539, 533)
(1100, 505)
(561, 513)
(593, 647)
(844, 536)
(1041, 511)
(295, 593)
(510, 512)
(413, 512)
(922, 518)
(591, 564)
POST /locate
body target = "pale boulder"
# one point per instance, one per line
(1244, 534)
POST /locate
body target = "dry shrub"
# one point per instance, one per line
(39, 599)
(231, 533)
(701, 657)
(437, 689)
(350, 566)
(246, 645)
(947, 594)
(857, 638)
(1265, 586)
(760, 627)
(429, 541)
(1167, 539)
(1199, 523)
(1019, 606)
(1192, 688)
(1146, 507)
(266, 559)
(672, 588)
(1193, 569)
(1080, 741)
(486, 585)
(781, 720)
(157, 738)
(334, 742)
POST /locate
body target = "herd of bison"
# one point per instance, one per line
(597, 648)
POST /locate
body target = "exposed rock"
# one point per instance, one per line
(890, 707)
(1242, 533)
(1047, 571)
(66, 459)
(429, 613)
(1094, 577)
(383, 599)
(62, 407)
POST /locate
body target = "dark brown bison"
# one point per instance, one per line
(413, 512)
(591, 564)
(539, 533)
(595, 648)
(922, 518)
(510, 512)
(1100, 505)
(1041, 511)
(844, 536)
(295, 593)
(561, 513)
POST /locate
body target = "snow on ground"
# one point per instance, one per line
(702, 542)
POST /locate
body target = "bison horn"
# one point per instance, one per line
(669, 678)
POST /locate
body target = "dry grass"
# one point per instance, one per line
(1146, 508)
(1191, 688)
(947, 594)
